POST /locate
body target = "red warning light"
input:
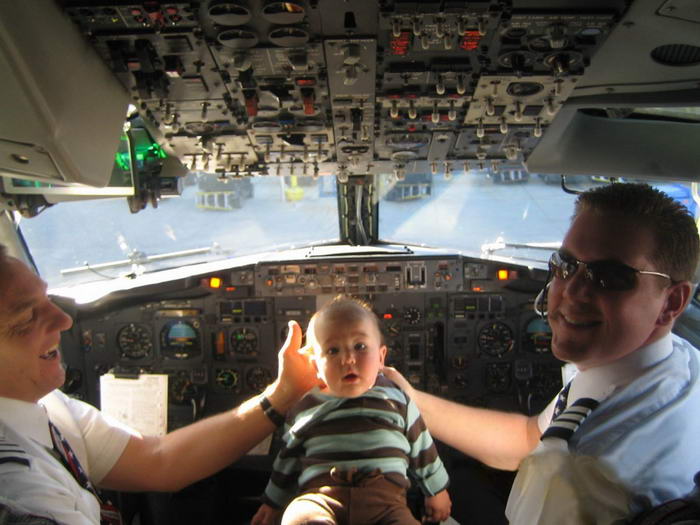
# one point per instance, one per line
(400, 45)
(470, 40)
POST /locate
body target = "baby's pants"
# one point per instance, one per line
(358, 499)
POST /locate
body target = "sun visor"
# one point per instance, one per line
(62, 109)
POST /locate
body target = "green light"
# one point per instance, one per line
(122, 160)
(155, 147)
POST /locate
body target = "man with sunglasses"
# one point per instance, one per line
(624, 437)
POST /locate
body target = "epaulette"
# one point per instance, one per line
(11, 452)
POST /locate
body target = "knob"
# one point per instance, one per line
(549, 106)
(511, 152)
(480, 128)
(394, 111)
(490, 107)
(537, 131)
(452, 113)
(424, 42)
(412, 113)
(416, 27)
(518, 116)
(396, 26)
(439, 29)
(440, 85)
(461, 85)
(447, 41)
(556, 34)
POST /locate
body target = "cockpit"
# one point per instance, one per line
(188, 177)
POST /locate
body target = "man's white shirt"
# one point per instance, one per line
(30, 473)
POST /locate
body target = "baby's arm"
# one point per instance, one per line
(438, 507)
(266, 515)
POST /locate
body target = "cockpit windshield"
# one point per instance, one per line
(215, 219)
(212, 219)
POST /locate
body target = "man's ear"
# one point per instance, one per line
(382, 354)
(677, 298)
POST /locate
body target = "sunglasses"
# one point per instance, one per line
(608, 275)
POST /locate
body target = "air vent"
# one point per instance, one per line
(676, 55)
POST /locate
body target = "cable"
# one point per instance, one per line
(541, 299)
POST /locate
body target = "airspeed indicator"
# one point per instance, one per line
(134, 341)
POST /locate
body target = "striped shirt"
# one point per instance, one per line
(381, 429)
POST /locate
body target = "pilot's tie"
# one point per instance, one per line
(565, 421)
(109, 515)
(562, 398)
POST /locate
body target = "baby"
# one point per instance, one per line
(349, 446)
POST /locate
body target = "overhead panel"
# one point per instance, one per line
(315, 88)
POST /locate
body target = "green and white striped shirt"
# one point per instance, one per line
(381, 429)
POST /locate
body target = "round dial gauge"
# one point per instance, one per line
(180, 339)
(412, 315)
(227, 378)
(244, 341)
(391, 323)
(182, 390)
(496, 339)
(538, 336)
(134, 341)
(258, 378)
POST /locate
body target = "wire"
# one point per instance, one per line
(103, 275)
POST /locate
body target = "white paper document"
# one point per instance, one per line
(140, 403)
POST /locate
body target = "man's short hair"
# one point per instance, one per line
(673, 229)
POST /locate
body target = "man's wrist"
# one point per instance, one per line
(272, 414)
(281, 398)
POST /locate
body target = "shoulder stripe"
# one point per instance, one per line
(13, 459)
(14, 450)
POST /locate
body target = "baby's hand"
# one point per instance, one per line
(438, 507)
(266, 515)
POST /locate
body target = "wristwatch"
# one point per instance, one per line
(270, 412)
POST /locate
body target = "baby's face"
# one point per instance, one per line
(348, 355)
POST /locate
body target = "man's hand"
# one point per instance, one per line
(391, 373)
(296, 373)
(438, 507)
(266, 515)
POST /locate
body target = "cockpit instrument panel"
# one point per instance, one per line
(457, 327)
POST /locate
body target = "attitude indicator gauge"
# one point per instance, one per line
(180, 339)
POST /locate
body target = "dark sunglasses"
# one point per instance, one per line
(609, 275)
